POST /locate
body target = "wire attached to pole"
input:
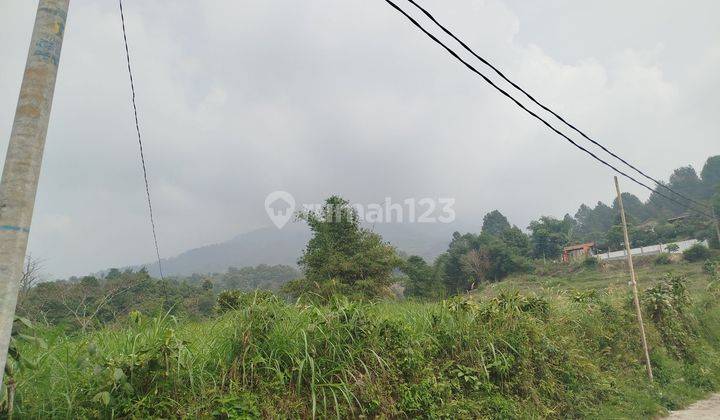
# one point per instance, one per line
(142, 154)
(535, 115)
(529, 96)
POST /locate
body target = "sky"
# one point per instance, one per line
(241, 98)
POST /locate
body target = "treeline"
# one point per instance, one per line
(342, 258)
(501, 248)
(83, 303)
(649, 220)
(263, 276)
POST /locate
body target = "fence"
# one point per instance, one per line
(650, 250)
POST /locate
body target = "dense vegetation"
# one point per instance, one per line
(510, 354)
(91, 301)
(336, 340)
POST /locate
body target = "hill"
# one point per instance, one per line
(283, 246)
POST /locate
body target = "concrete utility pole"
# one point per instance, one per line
(633, 282)
(24, 156)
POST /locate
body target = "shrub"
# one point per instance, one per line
(663, 259)
(711, 266)
(667, 303)
(590, 262)
(231, 300)
(697, 252)
(672, 247)
(510, 356)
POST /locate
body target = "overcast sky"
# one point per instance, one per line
(241, 98)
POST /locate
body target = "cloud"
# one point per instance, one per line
(238, 99)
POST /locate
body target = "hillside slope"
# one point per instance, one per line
(284, 246)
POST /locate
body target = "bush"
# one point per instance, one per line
(663, 259)
(590, 262)
(711, 267)
(667, 303)
(697, 252)
(672, 247)
(231, 300)
(510, 356)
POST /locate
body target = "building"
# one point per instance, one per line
(573, 252)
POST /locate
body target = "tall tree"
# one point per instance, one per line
(494, 223)
(422, 280)
(711, 175)
(686, 181)
(517, 241)
(549, 236)
(342, 258)
(633, 207)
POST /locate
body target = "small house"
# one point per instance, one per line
(573, 252)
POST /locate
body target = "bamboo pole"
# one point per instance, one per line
(633, 282)
(717, 225)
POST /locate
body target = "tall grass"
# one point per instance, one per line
(511, 356)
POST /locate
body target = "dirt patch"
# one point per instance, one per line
(701, 410)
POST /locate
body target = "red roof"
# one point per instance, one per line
(579, 246)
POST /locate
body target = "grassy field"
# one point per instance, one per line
(553, 278)
(561, 343)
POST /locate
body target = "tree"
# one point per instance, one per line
(593, 223)
(263, 276)
(697, 252)
(633, 207)
(454, 276)
(517, 241)
(342, 258)
(494, 223)
(711, 175)
(686, 181)
(476, 265)
(30, 277)
(548, 236)
(422, 280)
(474, 259)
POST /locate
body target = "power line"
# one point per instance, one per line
(523, 107)
(529, 96)
(142, 155)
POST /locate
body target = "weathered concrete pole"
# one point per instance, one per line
(24, 156)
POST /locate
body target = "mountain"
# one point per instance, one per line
(284, 246)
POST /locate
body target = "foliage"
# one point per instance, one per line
(22, 333)
(341, 258)
(648, 220)
(712, 266)
(423, 280)
(517, 241)
(697, 252)
(231, 300)
(549, 236)
(663, 259)
(494, 223)
(514, 355)
(590, 262)
(88, 302)
(266, 277)
(667, 303)
(672, 247)
(475, 259)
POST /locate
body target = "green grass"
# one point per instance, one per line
(501, 354)
(553, 278)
